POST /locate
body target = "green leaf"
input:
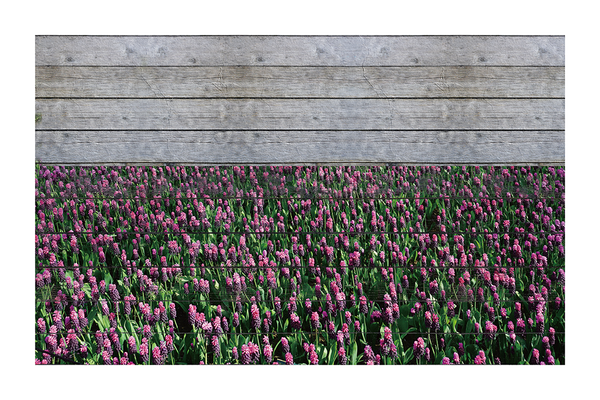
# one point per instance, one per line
(108, 279)
(130, 328)
(405, 310)
(354, 353)
(408, 355)
(454, 321)
(323, 353)
(439, 357)
(470, 326)
(103, 321)
(331, 359)
(88, 291)
(403, 324)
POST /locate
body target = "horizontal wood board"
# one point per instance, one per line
(301, 82)
(301, 114)
(300, 99)
(298, 147)
(300, 50)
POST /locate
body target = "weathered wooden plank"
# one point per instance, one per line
(300, 147)
(299, 82)
(291, 114)
(300, 50)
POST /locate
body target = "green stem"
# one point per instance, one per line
(205, 351)
(430, 343)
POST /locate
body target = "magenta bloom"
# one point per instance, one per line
(216, 325)
(147, 332)
(207, 328)
(539, 323)
(144, 352)
(557, 303)
(546, 342)
(255, 316)
(285, 345)
(313, 358)
(552, 336)
(520, 329)
(535, 357)
(41, 325)
(157, 357)
(216, 348)
(387, 315)
(340, 298)
(451, 309)
(480, 358)
(308, 305)
(369, 355)
(265, 325)
(395, 311)
(343, 360)
(518, 313)
(348, 317)
(289, 359)
(292, 306)
(363, 305)
(107, 358)
(114, 338)
(435, 322)
(113, 292)
(169, 343)
(295, 321)
(268, 354)
(461, 349)
(419, 348)
(340, 338)
(254, 352)
(314, 320)
(329, 306)
(433, 287)
(375, 316)
(428, 320)
(107, 346)
(490, 330)
(246, 356)
(480, 297)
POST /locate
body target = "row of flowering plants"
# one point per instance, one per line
(300, 265)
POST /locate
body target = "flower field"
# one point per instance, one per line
(300, 265)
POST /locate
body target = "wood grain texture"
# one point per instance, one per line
(298, 147)
(299, 82)
(300, 99)
(296, 114)
(300, 50)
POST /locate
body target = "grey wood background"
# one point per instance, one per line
(217, 100)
